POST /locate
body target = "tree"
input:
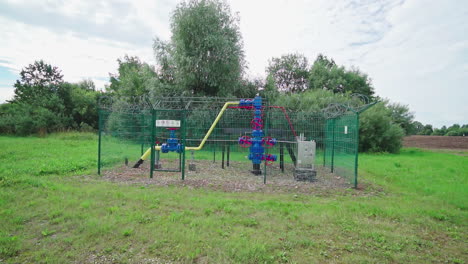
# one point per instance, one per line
(206, 47)
(248, 88)
(320, 74)
(270, 90)
(81, 104)
(37, 80)
(440, 131)
(289, 72)
(402, 116)
(134, 77)
(416, 128)
(38, 105)
(427, 130)
(87, 84)
(44, 103)
(166, 66)
(325, 74)
(312, 100)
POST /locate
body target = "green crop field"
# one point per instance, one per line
(411, 208)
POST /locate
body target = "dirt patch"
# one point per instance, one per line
(104, 259)
(436, 142)
(236, 178)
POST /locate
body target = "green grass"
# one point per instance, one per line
(412, 211)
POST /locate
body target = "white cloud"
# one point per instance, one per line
(419, 62)
(6, 93)
(77, 57)
(82, 38)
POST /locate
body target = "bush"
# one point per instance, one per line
(458, 132)
(73, 107)
(463, 132)
(377, 131)
(452, 133)
(24, 119)
(7, 121)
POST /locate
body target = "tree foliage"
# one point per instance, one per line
(37, 80)
(25, 119)
(247, 88)
(325, 74)
(167, 70)
(401, 116)
(378, 133)
(416, 127)
(43, 103)
(290, 72)
(453, 130)
(427, 130)
(133, 77)
(310, 101)
(270, 89)
(206, 48)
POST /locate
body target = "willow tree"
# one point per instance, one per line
(207, 48)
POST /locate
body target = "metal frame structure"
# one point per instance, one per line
(127, 127)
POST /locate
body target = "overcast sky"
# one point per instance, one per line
(415, 51)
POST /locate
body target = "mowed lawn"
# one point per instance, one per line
(411, 208)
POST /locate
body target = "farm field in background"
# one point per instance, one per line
(437, 142)
(410, 208)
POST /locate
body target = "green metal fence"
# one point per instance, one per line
(127, 130)
(341, 145)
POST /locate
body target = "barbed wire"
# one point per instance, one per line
(357, 104)
(138, 104)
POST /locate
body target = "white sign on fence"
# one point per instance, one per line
(346, 130)
(168, 123)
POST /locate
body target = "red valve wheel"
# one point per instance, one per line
(256, 123)
(245, 141)
(269, 159)
(268, 142)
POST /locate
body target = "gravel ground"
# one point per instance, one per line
(235, 178)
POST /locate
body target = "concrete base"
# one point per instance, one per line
(305, 174)
(157, 166)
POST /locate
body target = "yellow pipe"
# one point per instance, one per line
(212, 126)
(207, 135)
(147, 153)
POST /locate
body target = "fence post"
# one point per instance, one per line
(214, 153)
(99, 141)
(153, 141)
(222, 157)
(267, 117)
(333, 146)
(325, 143)
(356, 152)
(183, 143)
(228, 154)
(142, 137)
(282, 157)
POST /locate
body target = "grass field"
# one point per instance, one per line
(412, 208)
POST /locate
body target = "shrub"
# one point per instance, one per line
(377, 131)
(24, 119)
